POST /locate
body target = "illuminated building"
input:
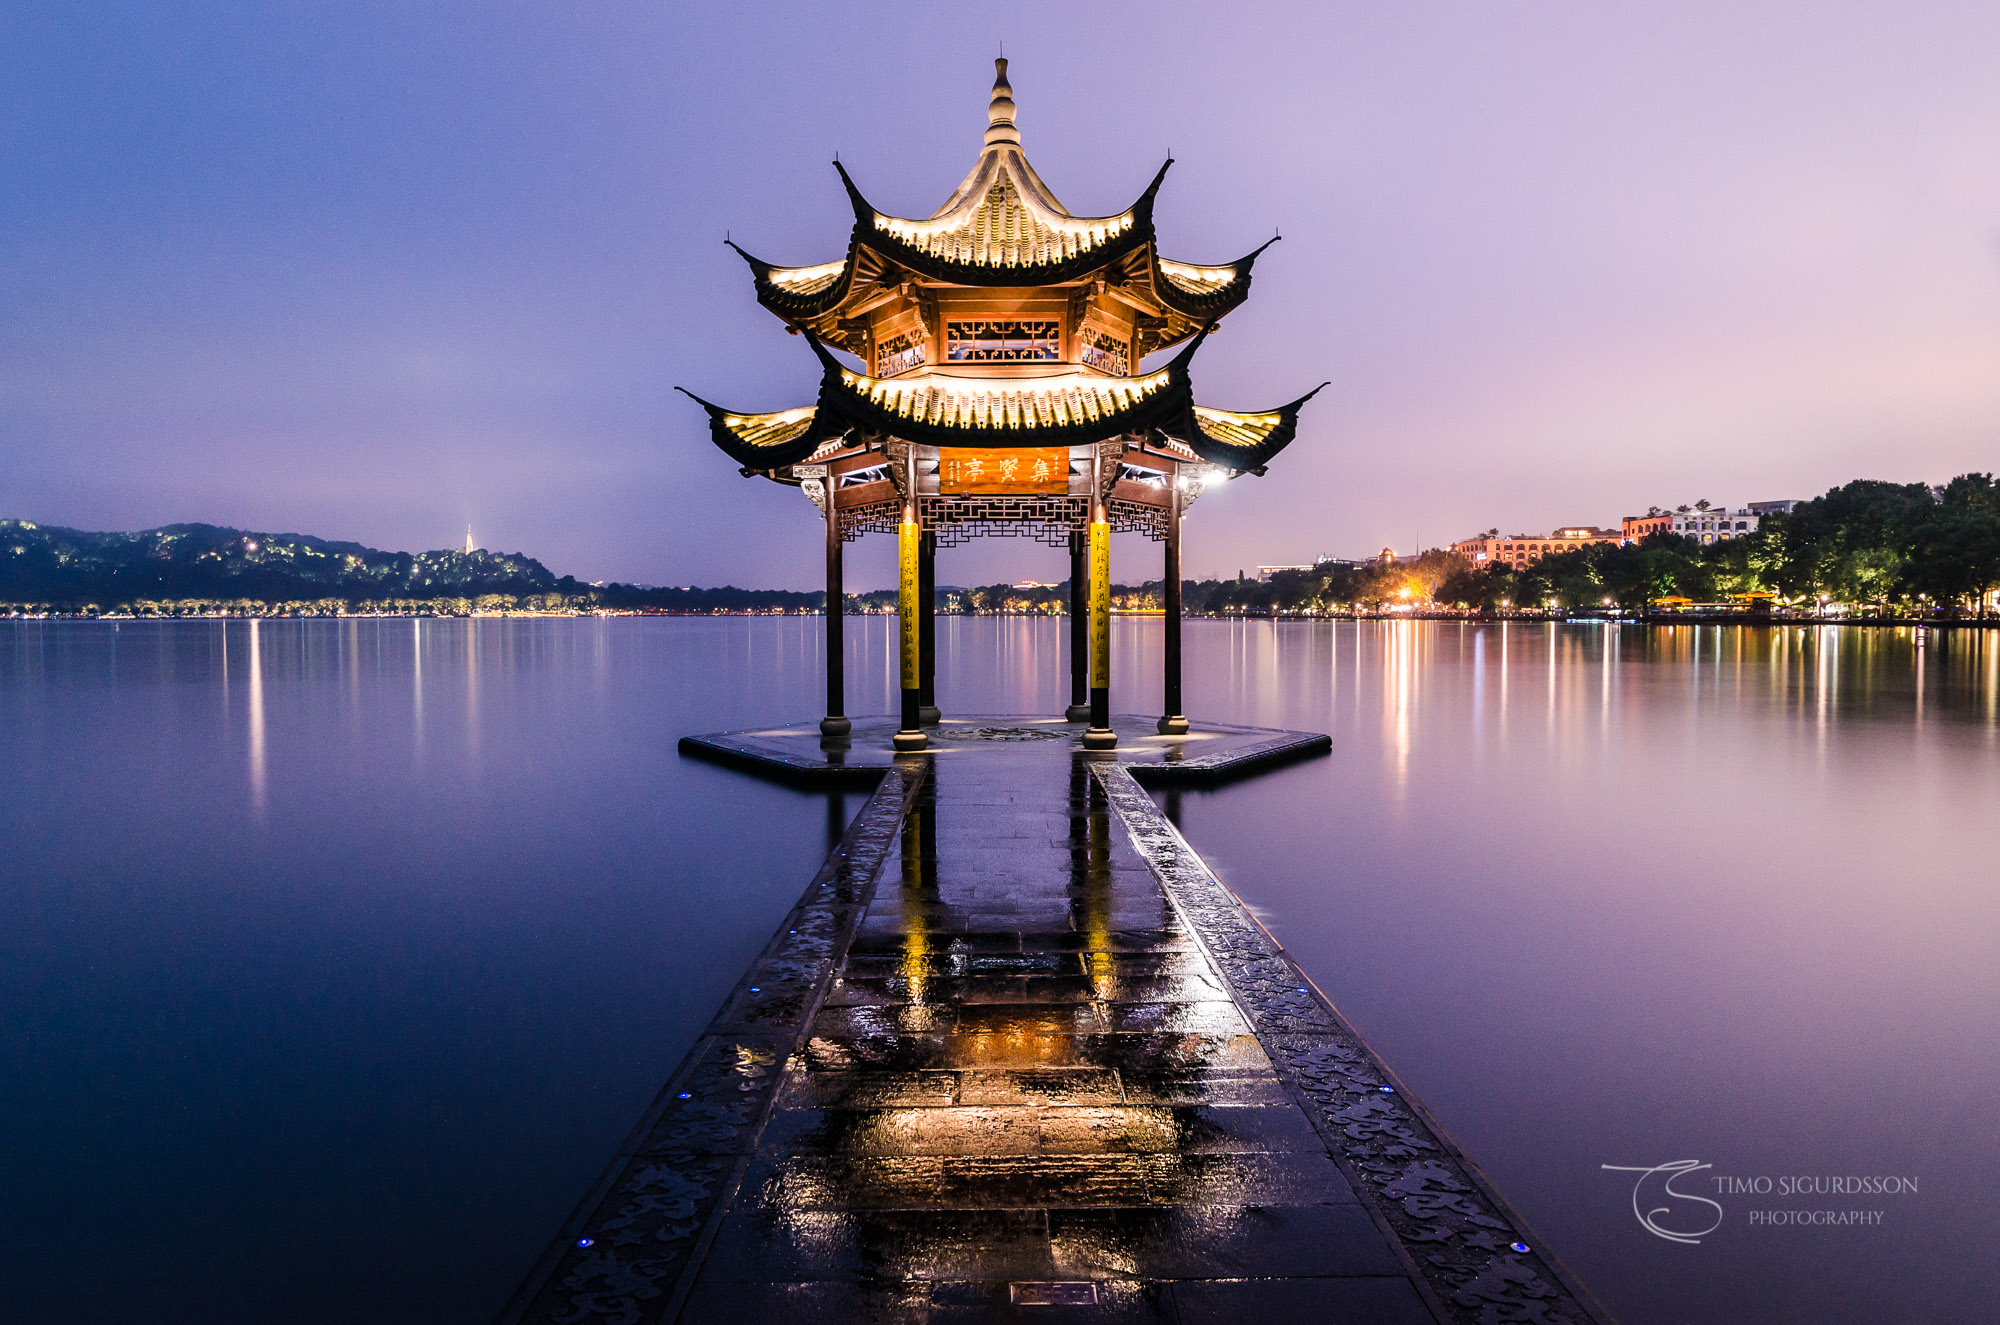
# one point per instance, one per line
(1517, 550)
(1715, 524)
(1001, 392)
(1635, 528)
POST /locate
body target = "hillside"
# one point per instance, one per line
(71, 569)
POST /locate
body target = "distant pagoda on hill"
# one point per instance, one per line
(1002, 338)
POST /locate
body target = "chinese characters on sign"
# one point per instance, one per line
(1042, 471)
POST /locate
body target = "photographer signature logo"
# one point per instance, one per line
(1683, 1219)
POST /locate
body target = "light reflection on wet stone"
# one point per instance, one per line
(1022, 1083)
(1023, 1031)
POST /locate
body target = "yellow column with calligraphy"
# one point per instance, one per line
(1100, 606)
(909, 537)
(908, 540)
(1100, 736)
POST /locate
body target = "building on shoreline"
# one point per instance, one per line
(1703, 523)
(1638, 527)
(1715, 524)
(1264, 573)
(1517, 550)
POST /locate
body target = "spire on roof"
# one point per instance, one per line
(1000, 114)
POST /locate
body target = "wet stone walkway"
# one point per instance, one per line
(1017, 1055)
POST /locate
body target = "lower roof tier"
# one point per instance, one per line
(946, 411)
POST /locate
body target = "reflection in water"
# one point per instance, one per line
(417, 688)
(1755, 852)
(256, 720)
(1399, 683)
(836, 818)
(394, 978)
(918, 897)
(1719, 888)
(1024, 1057)
(1551, 631)
(1090, 878)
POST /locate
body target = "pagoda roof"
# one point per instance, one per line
(1002, 226)
(1238, 440)
(767, 441)
(1067, 408)
(1199, 291)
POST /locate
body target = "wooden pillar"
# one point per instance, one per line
(927, 709)
(1173, 722)
(909, 540)
(835, 723)
(1079, 629)
(1099, 736)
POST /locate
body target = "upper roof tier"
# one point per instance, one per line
(1002, 226)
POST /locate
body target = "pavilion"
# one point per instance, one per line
(1002, 338)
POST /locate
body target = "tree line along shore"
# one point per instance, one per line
(1867, 550)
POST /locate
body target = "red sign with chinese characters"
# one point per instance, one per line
(1041, 471)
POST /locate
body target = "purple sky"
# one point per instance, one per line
(373, 272)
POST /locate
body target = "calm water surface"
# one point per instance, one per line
(337, 957)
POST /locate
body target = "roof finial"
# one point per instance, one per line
(1000, 128)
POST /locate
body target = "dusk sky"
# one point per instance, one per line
(373, 272)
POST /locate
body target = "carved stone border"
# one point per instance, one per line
(1282, 747)
(624, 1256)
(1459, 1234)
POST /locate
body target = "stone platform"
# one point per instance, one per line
(1017, 1054)
(1210, 753)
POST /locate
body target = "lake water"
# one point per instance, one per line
(336, 957)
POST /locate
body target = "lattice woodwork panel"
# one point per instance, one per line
(898, 354)
(1105, 352)
(1132, 517)
(956, 521)
(959, 520)
(877, 517)
(1002, 341)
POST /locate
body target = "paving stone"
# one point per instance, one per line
(1041, 1085)
(862, 1090)
(1220, 1241)
(1271, 1178)
(759, 1243)
(1349, 1301)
